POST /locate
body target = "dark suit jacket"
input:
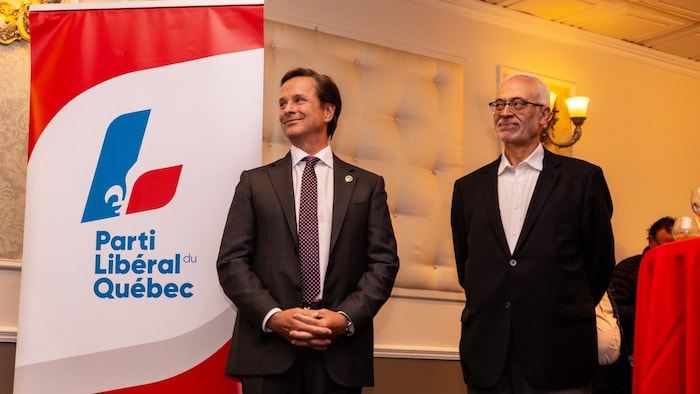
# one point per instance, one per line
(624, 283)
(258, 268)
(541, 299)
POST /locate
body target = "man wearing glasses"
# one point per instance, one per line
(534, 250)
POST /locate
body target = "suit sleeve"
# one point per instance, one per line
(459, 232)
(599, 245)
(382, 261)
(237, 253)
(624, 282)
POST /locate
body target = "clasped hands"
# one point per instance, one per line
(313, 328)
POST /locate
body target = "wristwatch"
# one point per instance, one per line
(350, 328)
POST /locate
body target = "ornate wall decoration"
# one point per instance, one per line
(14, 20)
(14, 123)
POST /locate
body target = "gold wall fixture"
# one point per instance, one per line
(14, 20)
(577, 107)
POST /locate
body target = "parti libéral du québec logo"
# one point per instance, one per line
(130, 265)
(120, 150)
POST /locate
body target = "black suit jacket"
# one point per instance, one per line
(624, 283)
(541, 298)
(258, 267)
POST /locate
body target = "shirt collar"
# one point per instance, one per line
(534, 160)
(325, 155)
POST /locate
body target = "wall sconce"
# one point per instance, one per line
(577, 106)
(14, 21)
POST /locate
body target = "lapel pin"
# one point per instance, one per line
(348, 178)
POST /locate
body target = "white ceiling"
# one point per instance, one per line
(669, 26)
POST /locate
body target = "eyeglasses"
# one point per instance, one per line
(516, 105)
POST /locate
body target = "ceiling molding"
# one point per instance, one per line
(518, 21)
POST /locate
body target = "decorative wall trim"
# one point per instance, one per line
(8, 334)
(488, 13)
(520, 22)
(417, 352)
(16, 20)
(428, 295)
(361, 35)
(14, 265)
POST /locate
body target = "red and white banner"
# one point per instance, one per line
(142, 117)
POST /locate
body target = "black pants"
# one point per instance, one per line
(615, 378)
(306, 376)
(512, 381)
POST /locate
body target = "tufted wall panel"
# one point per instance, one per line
(401, 118)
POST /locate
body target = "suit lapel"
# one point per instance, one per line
(543, 188)
(344, 181)
(281, 179)
(490, 203)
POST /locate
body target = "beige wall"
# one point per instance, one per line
(637, 131)
(641, 129)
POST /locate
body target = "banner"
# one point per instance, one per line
(142, 117)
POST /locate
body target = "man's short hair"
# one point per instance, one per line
(665, 223)
(541, 88)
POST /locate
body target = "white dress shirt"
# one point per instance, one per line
(608, 332)
(515, 188)
(324, 179)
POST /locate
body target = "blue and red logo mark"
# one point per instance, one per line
(120, 151)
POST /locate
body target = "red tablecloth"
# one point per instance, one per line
(667, 324)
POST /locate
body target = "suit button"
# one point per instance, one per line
(513, 263)
(507, 305)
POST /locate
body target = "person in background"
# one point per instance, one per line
(297, 330)
(534, 250)
(613, 374)
(624, 281)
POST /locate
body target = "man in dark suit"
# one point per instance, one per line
(534, 251)
(625, 276)
(283, 341)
